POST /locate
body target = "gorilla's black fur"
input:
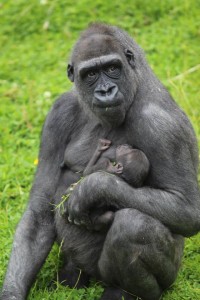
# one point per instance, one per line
(116, 97)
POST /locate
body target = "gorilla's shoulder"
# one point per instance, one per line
(67, 100)
(166, 125)
(63, 113)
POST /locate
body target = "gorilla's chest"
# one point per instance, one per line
(83, 143)
(79, 151)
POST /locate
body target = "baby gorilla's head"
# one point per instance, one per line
(135, 164)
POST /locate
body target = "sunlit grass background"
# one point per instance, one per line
(35, 41)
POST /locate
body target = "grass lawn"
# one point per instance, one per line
(35, 41)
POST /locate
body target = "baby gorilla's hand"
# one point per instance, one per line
(103, 144)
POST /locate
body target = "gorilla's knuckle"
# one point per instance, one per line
(76, 209)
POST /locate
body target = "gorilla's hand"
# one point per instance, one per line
(93, 191)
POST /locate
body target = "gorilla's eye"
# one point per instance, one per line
(91, 74)
(113, 71)
(112, 68)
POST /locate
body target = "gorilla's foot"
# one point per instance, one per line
(73, 277)
(113, 293)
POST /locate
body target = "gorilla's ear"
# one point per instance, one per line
(130, 57)
(70, 72)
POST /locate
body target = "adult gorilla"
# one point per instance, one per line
(116, 97)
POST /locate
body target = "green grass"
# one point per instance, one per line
(35, 41)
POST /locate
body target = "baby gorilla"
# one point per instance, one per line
(129, 164)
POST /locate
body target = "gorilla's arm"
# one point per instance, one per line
(32, 243)
(35, 233)
(178, 212)
(172, 195)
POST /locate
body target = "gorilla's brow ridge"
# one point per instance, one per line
(98, 60)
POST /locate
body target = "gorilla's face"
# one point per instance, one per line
(102, 72)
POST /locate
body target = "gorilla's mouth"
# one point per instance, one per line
(113, 113)
(107, 102)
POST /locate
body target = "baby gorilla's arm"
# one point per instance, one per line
(103, 145)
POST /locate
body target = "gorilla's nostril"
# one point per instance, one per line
(109, 91)
(112, 90)
(102, 93)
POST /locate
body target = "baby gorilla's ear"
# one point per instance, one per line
(70, 72)
(119, 168)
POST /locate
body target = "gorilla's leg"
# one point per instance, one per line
(73, 277)
(81, 250)
(140, 255)
(116, 294)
